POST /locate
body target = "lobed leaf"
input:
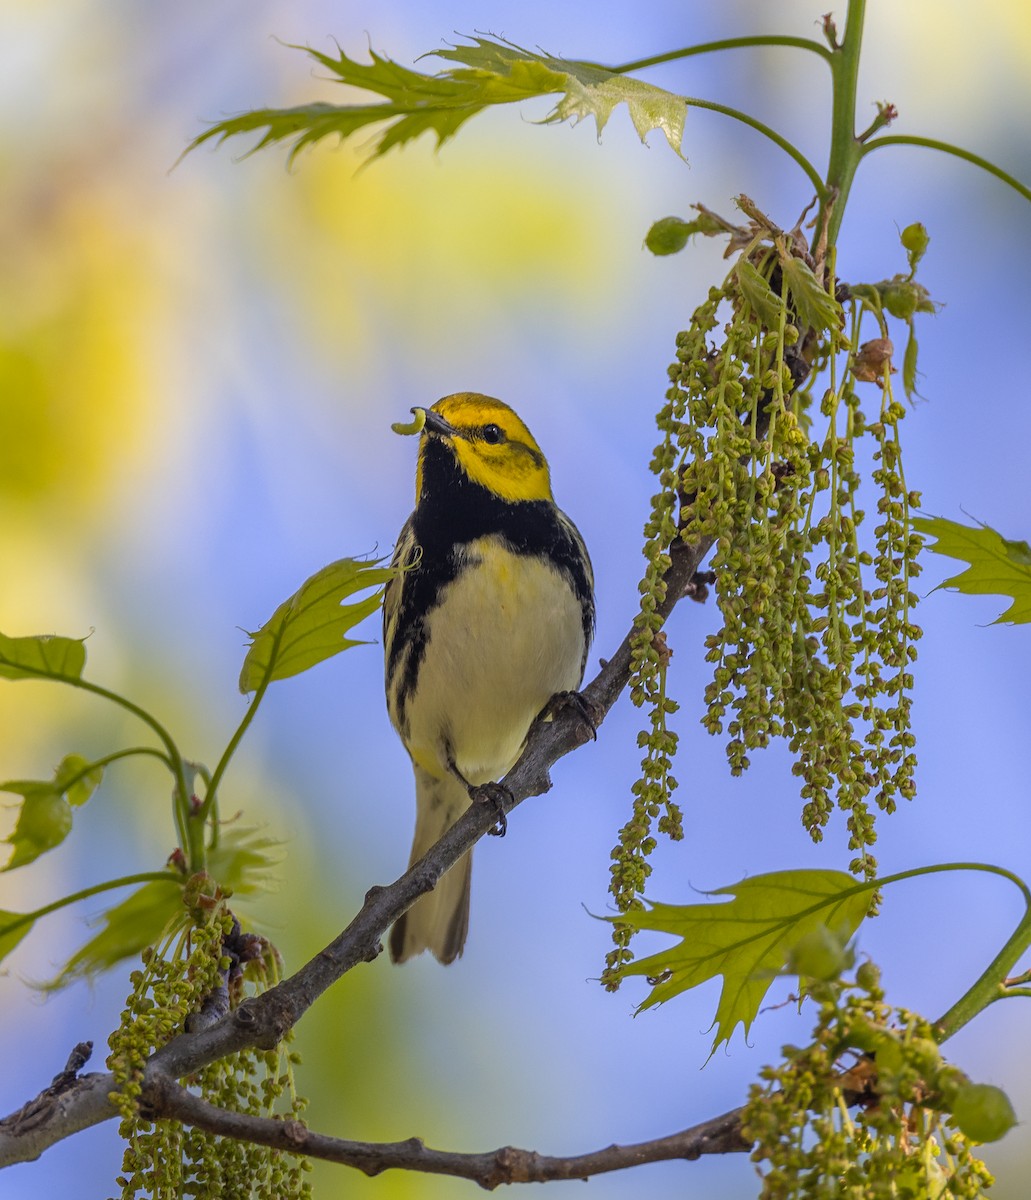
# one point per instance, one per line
(998, 566)
(746, 940)
(490, 72)
(45, 814)
(312, 625)
(127, 929)
(244, 860)
(241, 864)
(44, 656)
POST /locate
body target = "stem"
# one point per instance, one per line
(95, 890)
(956, 151)
(813, 175)
(989, 986)
(216, 776)
(846, 150)
(110, 758)
(937, 868)
(735, 43)
(181, 805)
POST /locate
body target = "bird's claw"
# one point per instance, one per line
(576, 700)
(495, 796)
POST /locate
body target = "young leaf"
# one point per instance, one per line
(814, 305)
(13, 927)
(311, 626)
(45, 818)
(128, 928)
(44, 821)
(42, 657)
(909, 371)
(244, 861)
(998, 566)
(491, 72)
(747, 940)
(77, 779)
(763, 300)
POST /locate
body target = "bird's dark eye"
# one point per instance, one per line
(493, 434)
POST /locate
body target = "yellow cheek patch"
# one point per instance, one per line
(510, 471)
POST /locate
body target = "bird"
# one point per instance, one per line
(488, 619)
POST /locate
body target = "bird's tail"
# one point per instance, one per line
(438, 921)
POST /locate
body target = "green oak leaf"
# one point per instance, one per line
(44, 656)
(998, 566)
(245, 859)
(127, 929)
(311, 626)
(45, 815)
(13, 927)
(489, 72)
(241, 864)
(747, 940)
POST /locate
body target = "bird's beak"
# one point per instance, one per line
(435, 423)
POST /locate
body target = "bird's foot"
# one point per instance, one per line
(495, 796)
(576, 701)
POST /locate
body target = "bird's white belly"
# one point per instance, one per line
(505, 637)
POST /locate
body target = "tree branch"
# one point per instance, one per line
(263, 1021)
(720, 1135)
(71, 1103)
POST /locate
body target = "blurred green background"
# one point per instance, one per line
(198, 371)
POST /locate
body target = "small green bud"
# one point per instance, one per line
(983, 1112)
(819, 954)
(915, 240)
(868, 976)
(668, 236)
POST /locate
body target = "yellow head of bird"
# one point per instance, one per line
(490, 444)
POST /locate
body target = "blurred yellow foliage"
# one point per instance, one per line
(430, 247)
(74, 299)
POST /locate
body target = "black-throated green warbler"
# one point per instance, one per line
(490, 618)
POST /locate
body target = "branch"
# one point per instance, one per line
(72, 1102)
(720, 1135)
(263, 1021)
